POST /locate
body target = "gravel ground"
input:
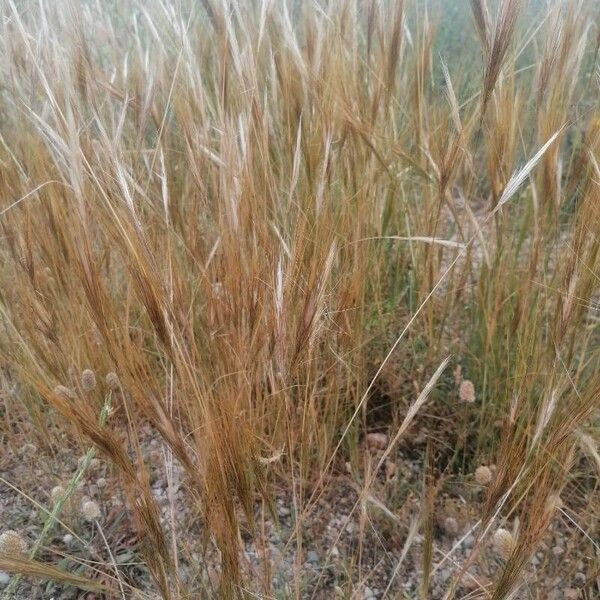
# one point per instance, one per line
(335, 533)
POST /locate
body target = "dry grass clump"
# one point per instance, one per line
(255, 216)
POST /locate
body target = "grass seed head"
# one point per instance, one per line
(458, 375)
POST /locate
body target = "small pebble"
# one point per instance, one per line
(368, 593)
(377, 441)
(4, 578)
(579, 579)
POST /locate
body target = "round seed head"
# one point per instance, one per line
(466, 391)
(483, 475)
(56, 492)
(90, 510)
(64, 392)
(12, 543)
(504, 543)
(112, 381)
(28, 449)
(88, 380)
(377, 441)
(450, 526)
